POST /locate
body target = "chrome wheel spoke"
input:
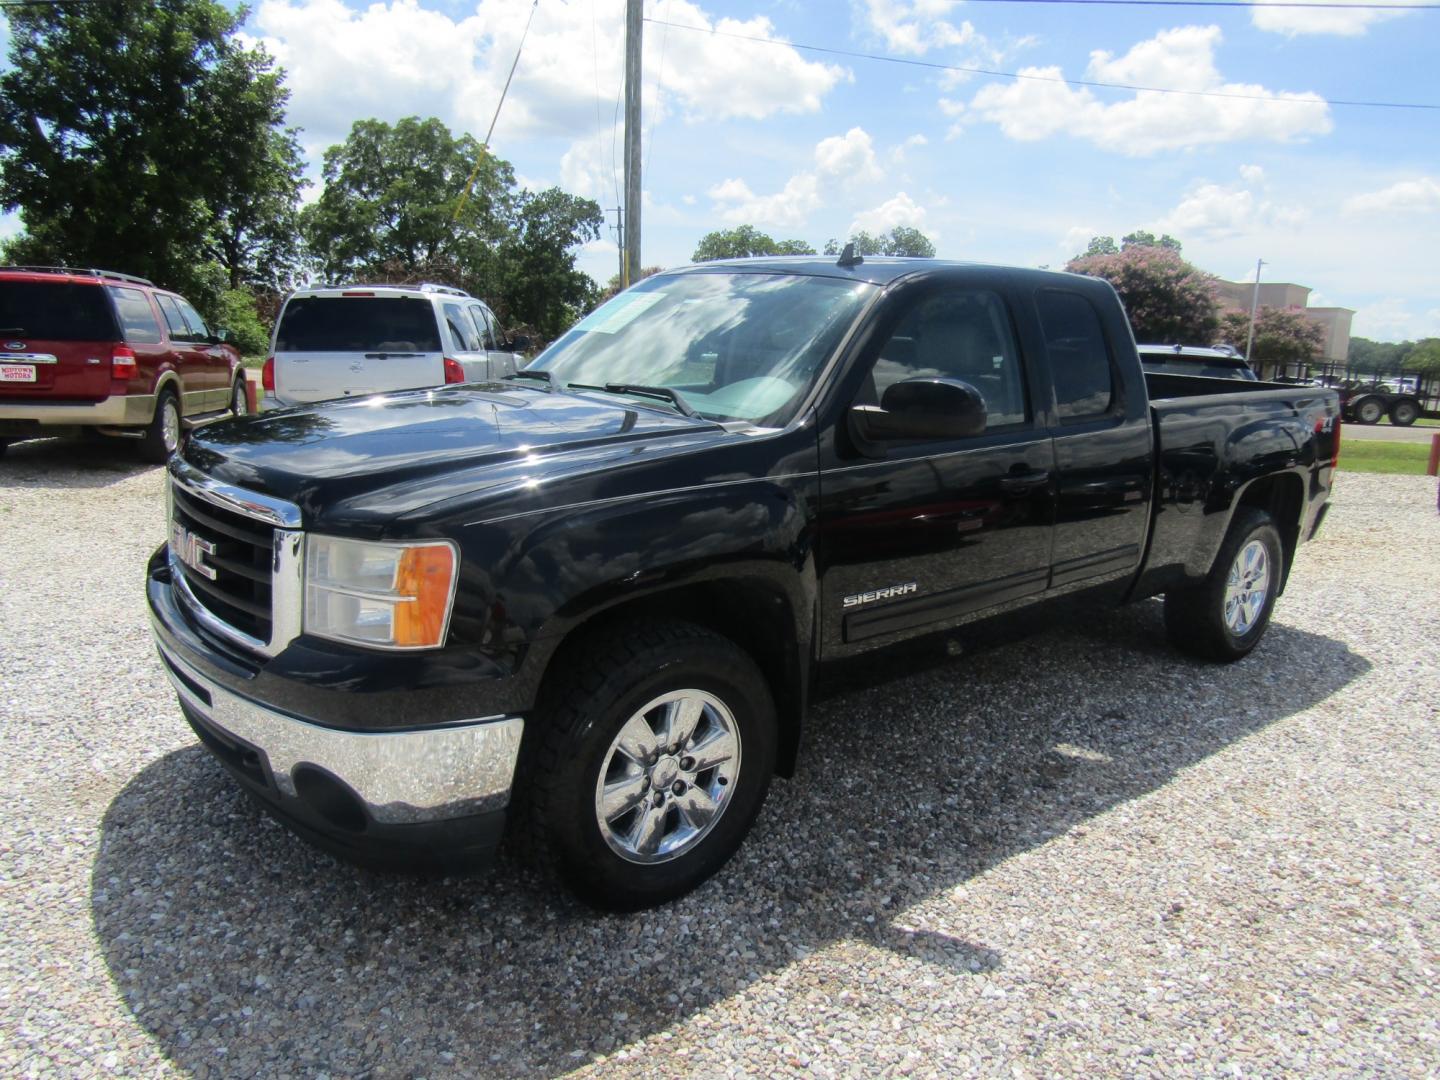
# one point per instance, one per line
(697, 806)
(716, 750)
(681, 717)
(648, 830)
(637, 740)
(623, 795)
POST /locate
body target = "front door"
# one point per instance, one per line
(931, 535)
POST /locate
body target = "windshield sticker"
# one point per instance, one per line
(619, 313)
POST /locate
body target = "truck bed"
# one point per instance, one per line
(1213, 438)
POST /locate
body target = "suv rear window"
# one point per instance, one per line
(357, 324)
(56, 311)
(1212, 367)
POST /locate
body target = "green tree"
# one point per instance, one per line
(1101, 245)
(1284, 338)
(744, 242)
(903, 240)
(236, 313)
(1168, 300)
(538, 284)
(1141, 238)
(128, 132)
(1376, 356)
(255, 226)
(390, 203)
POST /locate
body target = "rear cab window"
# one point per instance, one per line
(137, 317)
(358, 324)
(1081, 367)
(56, 311)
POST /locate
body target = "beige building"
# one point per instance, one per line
(1334, 322)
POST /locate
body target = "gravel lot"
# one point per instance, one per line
(1119, 862)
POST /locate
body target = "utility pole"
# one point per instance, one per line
(630, 258)
(1254, 303)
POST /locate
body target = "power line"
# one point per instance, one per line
(994, 74)
(470, 183)
(1231, 4)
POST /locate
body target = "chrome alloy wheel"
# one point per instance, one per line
(170, 425)
(668, 776)
(239, 400)
(1246, 587)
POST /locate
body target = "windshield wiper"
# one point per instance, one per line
(671, 395)
(543, 376)
(20, 330)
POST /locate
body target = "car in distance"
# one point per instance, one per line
(1212, 363)
(353, 340)
(594, 595)
(109, 353)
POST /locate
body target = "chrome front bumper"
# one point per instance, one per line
(399, 778)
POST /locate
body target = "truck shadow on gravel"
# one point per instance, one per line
(242, 951)
(70, 463)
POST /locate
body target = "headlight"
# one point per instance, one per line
(389, 596)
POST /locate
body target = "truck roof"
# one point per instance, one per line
(874, 269)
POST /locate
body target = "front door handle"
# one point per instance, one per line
(1018, 483)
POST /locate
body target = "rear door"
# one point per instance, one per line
(187, 356)
(465, 344)
(141, 327)
(356, 342)
(56, 339)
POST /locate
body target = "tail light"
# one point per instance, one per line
(453, 371)
(122, 363)
(267, 374)
(1336, 459)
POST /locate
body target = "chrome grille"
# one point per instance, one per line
(231, 573)
(236, 558)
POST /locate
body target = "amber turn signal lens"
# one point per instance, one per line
(424, 581)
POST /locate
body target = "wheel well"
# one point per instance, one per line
(755, 616)
(1283, 498)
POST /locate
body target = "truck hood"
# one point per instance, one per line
(367, 461)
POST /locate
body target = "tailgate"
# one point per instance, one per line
(56, 339)
(302, 377)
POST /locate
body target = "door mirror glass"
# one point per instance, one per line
(220, 336)
(921, 409)
(519, 343)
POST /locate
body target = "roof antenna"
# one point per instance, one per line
(848, 257)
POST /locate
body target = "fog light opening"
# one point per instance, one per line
(329, 798)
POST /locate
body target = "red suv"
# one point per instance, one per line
(92, 350)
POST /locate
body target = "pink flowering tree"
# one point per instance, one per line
(1169, 301)
(1284, 337)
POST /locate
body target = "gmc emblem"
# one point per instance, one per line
(191, 549)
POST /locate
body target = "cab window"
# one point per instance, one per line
(1079, 357)
(959, 334)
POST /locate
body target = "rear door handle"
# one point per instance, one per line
(1016, 483)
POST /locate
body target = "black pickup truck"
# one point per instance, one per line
(594, 595)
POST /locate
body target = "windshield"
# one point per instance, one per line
(741, 346)
(358, 324)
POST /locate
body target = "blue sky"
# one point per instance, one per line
(808, 145)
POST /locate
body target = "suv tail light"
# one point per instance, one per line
(267, 374)
(453, 371)
(122, 362)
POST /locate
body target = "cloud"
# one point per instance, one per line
(900, 210)
(917, 26)
(787, 208)
(1318, 17)
(1421, 196)
(1252, 174)
(395, 58)
(1393, 318)
(1216, 211)
(850, 156)
(841, 161)
(1150, 122)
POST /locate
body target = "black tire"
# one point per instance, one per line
(1369, 410)
(1404, 413)
(577, 737)
(240, 398)
(1195, 618)
(155, 445)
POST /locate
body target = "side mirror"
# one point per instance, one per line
(519, 343)
(920, 409)
(219, 336)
